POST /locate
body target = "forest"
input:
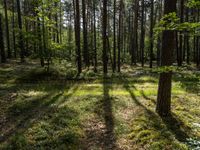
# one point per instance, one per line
(99, 74)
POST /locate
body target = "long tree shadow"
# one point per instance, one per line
(172, 123)
(177, 127)
(100, 130)
(110, 139)
(147, 98)
(22, 114)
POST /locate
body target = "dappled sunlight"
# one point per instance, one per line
(111, 112)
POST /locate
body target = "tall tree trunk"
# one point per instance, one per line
(135, 34)
(142, 40)
(7, 30)
(151, 34)
(119, 37)
(61, 21)
(85, 35)
(163, 106)
(56, 21)
(104, 36)
(114, 37)
(2, 48)
(13, 28)
(187, 38)
(180, 49)
(21, 39)
(77, 36)
(95, 38)
(159, 36)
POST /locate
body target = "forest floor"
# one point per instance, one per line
(40, 110)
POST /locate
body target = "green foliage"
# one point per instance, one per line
(193, 143)
(172, 22)
(193, 4)
(18, 142)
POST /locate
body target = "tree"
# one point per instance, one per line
(135, 33)
(95, 37)
(180, 48)
(7, 29)
(85, 35)
(151, 33)
(114, 36)
(104, 36)
(2, 49)
(77, 36)
(163, 106)
(21, 40)
(13, 28)
(120, 36)
(142, 33)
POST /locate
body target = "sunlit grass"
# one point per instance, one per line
(51, 111)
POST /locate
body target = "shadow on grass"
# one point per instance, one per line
(189, 81)
(177, 127)
(100, 133)
(23, 114)
(151, 121)
(147, 98)
(110, 139)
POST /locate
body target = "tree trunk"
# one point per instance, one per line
(135, 34)
(163, 107)
(77, 36)
(85, 35)
(104, 36)
(151, 34)
(95, 38)
(21, 40)
(2, 48)
(142, 34)
(7, 29)
(13, 28)
(119, 37)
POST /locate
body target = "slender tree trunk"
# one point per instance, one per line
(2, 48)
(61, 21)
(114, 37)
(77, 36)
(13, 28)
(95, 38)
(159, 36)
(56, 20)
(21, 39)
(151, 34)
(7, 30)
(104, 36)
(135, 34)
(142, 34)
(119, 37)
(187, 38)
(85, 35)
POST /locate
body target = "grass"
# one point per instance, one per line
(40, 110)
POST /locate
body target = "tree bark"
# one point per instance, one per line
(7, 30)
(104, 36)
(21, 40)
(85, 35)
(163, 106)
(77, 36)
(151, 34)
(2, 48)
